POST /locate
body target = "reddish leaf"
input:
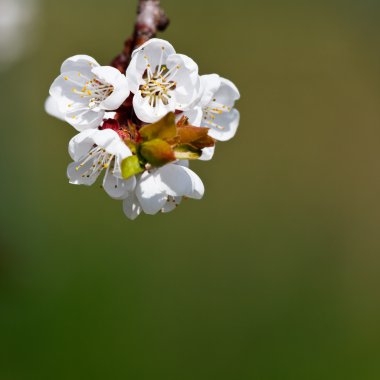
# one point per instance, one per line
(196, 136)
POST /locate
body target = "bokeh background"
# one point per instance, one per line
(274, 275)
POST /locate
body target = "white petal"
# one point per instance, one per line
(118, 188)
(194, 115)
(154, 46)
(51, 107)
(154, 51)
(83, 118)
(81, 144)
(184, 163)
(135, 72)
(179, 181)
(108, 139)
(131, 206)
(227, 93)
(150, 194)
(76, 108)
(114, 77)
(77, 176)
(210, 85)
(188, 88)
(82, 63)
(228, 123)
(171, 204)
(111, 142)
(62, 90)
(207, 154)
(109, 115)
(145, 112)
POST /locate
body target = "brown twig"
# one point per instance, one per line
(150, 19)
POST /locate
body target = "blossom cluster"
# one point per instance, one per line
(139, 129)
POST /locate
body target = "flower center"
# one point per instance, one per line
(96, 161)
(212, 110)
(94, 89)
(158, 84)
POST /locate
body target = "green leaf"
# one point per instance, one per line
(187, 152)
(157, 152)
(131, 166)
(164, 129)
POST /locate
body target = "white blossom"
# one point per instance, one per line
(95, 151)
(163, 189)
(85, 91)
(140, 163)
(215, 109)
(162, 80)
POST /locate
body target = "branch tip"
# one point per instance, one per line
(150, 19)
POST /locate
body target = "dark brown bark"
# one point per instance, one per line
(150, 19)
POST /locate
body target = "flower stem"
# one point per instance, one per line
(150, 19)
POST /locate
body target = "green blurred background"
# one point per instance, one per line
(274, 275)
